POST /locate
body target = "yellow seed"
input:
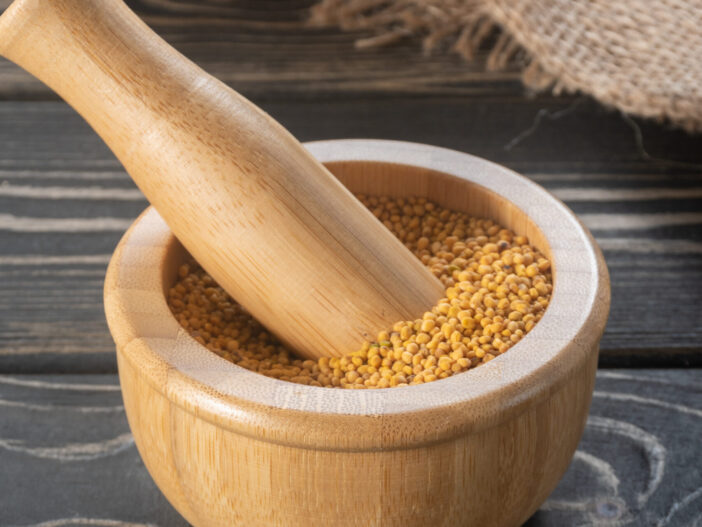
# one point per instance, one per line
(457, 354)
(445, 363)
(497, 287)
(484, 269)
(542, 288)
(468, 323)
(423, 338)
(427, 325)
(443, 308)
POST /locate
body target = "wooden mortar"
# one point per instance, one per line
(485, 448)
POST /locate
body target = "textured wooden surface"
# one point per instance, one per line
(67, 453)
(637, 184)
(65, 201)
(276, 53)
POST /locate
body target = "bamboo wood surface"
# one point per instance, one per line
(219, 439)
(266, 220)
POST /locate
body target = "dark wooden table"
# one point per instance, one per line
(66, 455)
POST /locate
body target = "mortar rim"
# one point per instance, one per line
(287, 413)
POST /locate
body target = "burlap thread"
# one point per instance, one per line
(643, 57)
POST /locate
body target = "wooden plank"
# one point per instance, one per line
(268, 48)
(64, 203)
(67, 455)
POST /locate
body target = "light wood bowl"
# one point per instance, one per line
(231, 447)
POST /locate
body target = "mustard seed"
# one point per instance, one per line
(497, 289)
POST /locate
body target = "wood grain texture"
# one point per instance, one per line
(50, 302)
(216, 438)
(266, 49)
(638, 462)
(267, 221)
(61, 435)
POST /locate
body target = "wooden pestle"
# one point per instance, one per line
(273, 227)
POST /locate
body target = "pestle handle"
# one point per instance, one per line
(258, 212)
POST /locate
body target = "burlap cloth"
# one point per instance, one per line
(641, 56)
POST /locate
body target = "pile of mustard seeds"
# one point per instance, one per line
(497, 288)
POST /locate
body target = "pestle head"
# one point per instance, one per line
(275, 229)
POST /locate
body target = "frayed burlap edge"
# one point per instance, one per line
(464, 25)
